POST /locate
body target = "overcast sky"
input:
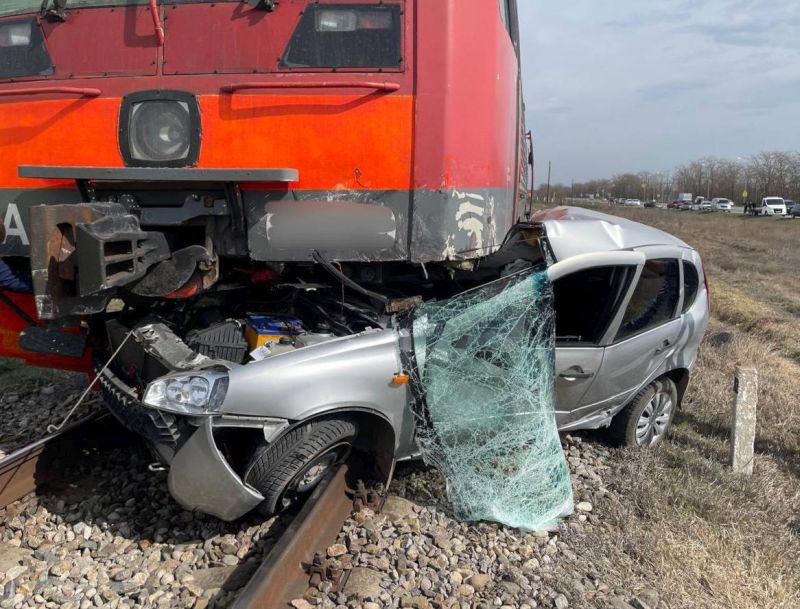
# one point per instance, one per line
(627, 85)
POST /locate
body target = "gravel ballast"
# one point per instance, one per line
(27, 409)
(115, 538)
(416, 555)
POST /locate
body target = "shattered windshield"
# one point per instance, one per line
(484, 372)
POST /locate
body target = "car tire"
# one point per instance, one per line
(289, 468)
(642, 422)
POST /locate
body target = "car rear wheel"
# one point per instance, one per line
(289, 468)
(645, 421)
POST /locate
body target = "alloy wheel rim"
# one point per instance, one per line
(654, 420)
(308, 478)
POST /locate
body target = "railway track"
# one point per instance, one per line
(298, 557)
(32, 466)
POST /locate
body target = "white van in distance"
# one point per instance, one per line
(772, 206)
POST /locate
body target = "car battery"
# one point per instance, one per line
(263, 329)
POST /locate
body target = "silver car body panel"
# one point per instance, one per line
(630, 365)
(572, 231)
(350, 373)
(201, 479)
(584, 261)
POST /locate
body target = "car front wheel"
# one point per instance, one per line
(646, 419)
(289, 468)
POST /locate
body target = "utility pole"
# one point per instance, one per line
(549, 167)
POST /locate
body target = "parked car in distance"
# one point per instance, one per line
(633, 202)
(631, 308)
(650, 203)
(772, 206)
(794, 211)
(790, 204)
(700, 204)
(721, 204)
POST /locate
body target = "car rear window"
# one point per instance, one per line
(655, 299)
(346, 36)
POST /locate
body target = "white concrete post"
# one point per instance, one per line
(743, 424)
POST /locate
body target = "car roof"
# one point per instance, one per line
(572, 231)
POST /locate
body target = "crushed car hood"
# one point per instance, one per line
(572, 231)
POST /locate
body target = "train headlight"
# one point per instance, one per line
(198, 393)
(160, 129)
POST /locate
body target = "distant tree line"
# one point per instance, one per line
(764, 174)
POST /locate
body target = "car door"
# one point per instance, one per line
(589, 291)
(646, 336)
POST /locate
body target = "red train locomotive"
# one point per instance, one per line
(157, 156)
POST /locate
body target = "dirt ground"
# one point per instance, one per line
(678, 519)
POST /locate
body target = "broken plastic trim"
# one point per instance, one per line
(483, 370)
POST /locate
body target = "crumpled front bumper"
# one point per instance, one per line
(201, 479)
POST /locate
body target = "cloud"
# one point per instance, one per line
(620, 85)
(668, 90)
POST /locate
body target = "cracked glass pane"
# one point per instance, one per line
(484, 373)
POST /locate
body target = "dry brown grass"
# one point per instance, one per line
(679, 520)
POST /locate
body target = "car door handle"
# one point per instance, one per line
(664, 346)
(578, 374)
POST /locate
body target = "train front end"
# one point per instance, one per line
(150, 150)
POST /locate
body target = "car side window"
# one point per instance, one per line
(586, 301)
(655, 299)
(691, 283)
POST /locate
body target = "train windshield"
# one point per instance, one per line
(299, 35)
(21, 7)
(346, 36)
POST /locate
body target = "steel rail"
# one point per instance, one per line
(21, 471)
(283, 577)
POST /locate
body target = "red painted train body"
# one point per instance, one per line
(161, 145)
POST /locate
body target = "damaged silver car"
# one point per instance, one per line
(331, 365)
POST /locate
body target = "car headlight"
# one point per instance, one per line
(196, 393)
(160, 129)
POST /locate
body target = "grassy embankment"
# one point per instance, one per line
(710, 538)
